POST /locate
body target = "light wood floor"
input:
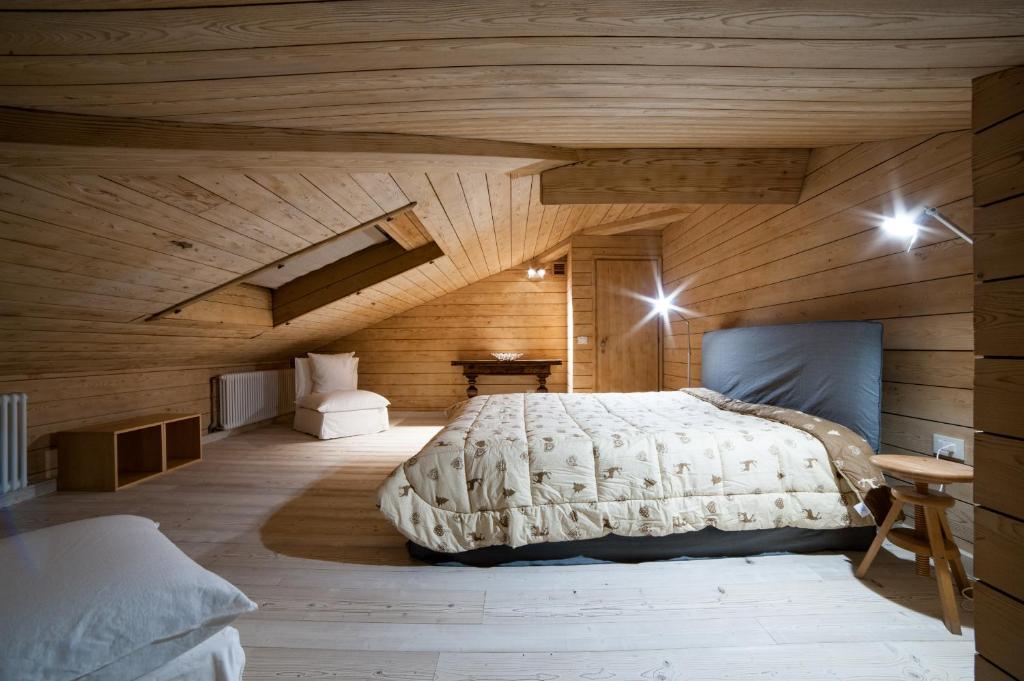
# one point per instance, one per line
(292, 521)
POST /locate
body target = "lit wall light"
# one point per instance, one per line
(535, 274)
(901, 225)
(663, 306)
(905, 225)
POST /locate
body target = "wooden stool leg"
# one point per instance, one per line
(883, 531)
(920, 523)
(954, 556)
(947, 597)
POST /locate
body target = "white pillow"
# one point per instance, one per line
(303, 376)
(334, 372)
(104, 598)
(343, 400)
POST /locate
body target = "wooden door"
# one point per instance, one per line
(628, 341)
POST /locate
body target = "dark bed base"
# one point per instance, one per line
(707, 543)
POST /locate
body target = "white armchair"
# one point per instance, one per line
(339, 413)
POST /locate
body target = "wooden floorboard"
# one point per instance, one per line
(291, 521)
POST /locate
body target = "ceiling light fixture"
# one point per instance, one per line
(535, 274)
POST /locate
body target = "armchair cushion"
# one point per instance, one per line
(342, 400)
(334, 372)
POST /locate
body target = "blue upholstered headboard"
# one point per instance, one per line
(829, 369)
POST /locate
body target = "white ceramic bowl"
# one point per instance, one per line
(506, 356)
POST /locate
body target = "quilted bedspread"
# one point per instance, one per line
(521, 468)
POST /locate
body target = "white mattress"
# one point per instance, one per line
(218, 658)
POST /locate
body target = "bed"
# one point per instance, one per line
(771, 454)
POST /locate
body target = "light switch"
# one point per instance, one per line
(582, 340)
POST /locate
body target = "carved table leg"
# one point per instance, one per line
(542, 379)
(471, 391)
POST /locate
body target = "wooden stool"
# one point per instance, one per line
(931, 536)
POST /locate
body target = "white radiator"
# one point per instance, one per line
(13, 442)
(252, 396)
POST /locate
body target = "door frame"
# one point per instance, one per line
(656, 259)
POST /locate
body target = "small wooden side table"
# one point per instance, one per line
(471, 368)
(931, 536)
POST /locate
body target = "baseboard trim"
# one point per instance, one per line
(31, 492)
(211, 437)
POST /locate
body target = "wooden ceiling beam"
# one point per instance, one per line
(407, 230)
(662, 217)
(554, 253)
(678, 176)
(73, 143)
(648, 221)
(177, 27)
(346, 277)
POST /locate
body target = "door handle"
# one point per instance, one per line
(604, 342)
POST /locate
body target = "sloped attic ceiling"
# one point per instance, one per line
(84, 259)
(85, 255)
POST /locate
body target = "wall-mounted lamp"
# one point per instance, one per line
(906, 225)
(535, 274)
(663, 306)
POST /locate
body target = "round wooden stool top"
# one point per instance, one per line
(923, 468)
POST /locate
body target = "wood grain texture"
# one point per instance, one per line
(999, 316)
(84, 258)
(65, 401)
(678, 176)
(627, 337)
(998, 165)
(999, 369)
(996, 97)
(986, 671)
(347, 277)
(339, 597)
(60, 142)
(582, 75)
(1000, 618)
(1002, 465)
(1000, 551)
(824, 258)
(585, 251)
(407, 358)
(332, 22)
(999, 240)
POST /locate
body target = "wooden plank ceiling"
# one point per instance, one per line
(85, 254)
(799, 73)
(85, 258)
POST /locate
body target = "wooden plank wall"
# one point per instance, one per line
(999, 369)
(407, 358)
(825, 259)
(585, 249)
(58, 401)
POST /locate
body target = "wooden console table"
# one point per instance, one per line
(471, 368)
(109, 456)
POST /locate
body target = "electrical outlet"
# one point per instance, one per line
(582, 340)
(954, 446)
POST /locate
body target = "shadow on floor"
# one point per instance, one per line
(892, 577)
(336, 519)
